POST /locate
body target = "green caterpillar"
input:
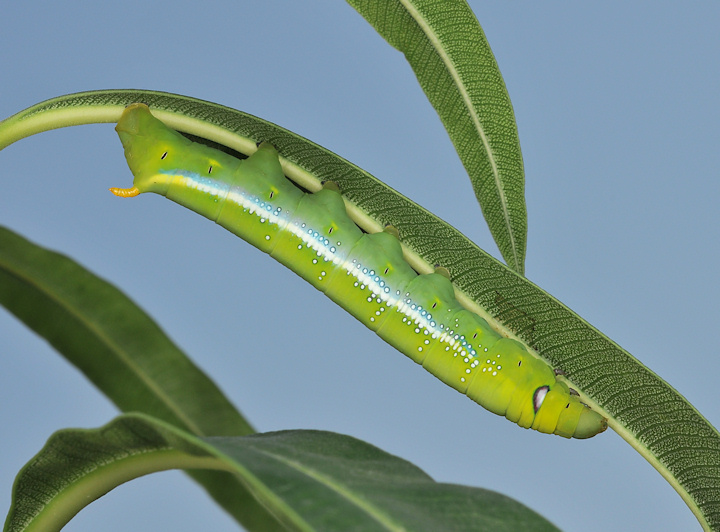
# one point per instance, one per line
(363, 273)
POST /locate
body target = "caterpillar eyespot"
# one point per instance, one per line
(539, 397)
(417, 314)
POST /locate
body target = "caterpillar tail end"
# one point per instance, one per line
(125, 192)
(590, 424)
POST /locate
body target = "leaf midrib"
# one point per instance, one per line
(372, 511)
(452, 70)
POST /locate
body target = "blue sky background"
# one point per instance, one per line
(617, 109)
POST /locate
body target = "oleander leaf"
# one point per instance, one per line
(308, 480)
(121, 350)
(449, 53)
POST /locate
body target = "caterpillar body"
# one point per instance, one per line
(365, 274)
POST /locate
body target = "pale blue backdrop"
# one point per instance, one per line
(617, 107)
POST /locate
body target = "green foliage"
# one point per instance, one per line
(308, 480)
(124, 354)
(458, 72)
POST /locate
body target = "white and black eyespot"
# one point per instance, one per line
(539, 397)
(210, 170)
(162, 157)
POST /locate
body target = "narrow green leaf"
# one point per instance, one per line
(119, 348)
(447, 49)
(309, 480)
(111, 340)
(642, 408)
